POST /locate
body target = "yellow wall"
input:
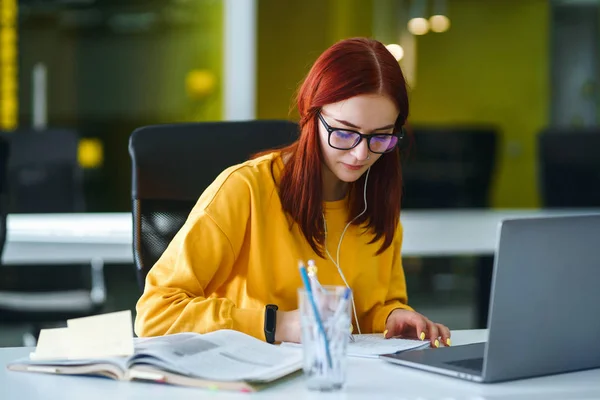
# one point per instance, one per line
(202, 55)
(291, 35)
(491, 67)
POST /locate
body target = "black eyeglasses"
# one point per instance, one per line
(346, 139)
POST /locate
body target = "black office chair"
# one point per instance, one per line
(450, 167)
(569, 167)
(43, 173)
(44, 177)
(173, 164)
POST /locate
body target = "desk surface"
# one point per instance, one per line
(366, 377)
(65, 238)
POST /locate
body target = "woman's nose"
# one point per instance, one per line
(361, 151)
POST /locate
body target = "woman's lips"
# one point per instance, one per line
(352, 167)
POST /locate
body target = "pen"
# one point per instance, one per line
(311, 299)
(319, 291)
(342, 304)
(312, 274)
(340, 308)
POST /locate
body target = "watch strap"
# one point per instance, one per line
(270, 322)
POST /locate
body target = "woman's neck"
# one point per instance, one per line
(333, 188)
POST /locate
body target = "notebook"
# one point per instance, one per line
(372, 345)
(223, 359)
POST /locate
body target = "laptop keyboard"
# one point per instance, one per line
(474, 364)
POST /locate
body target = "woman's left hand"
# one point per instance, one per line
(411, 324)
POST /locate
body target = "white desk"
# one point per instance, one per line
(75, 238)
(367, 378)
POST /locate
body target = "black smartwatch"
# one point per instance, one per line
(270, 322)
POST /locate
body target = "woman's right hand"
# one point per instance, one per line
(287, 327)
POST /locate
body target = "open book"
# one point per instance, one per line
(372, 345)
(223, 359)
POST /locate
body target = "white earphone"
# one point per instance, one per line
(337, 263)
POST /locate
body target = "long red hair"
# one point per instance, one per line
(349, 68)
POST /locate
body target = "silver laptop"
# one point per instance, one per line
(543, 315)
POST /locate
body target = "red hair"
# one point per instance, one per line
(349, 68)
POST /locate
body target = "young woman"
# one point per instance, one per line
(332, 196)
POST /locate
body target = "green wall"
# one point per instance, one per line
(291, 35)
(491, 67)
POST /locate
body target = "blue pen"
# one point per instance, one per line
(311, 299)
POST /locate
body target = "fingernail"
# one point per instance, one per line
(448, 343)
(385, 333)
(436, 343)
(422, 336)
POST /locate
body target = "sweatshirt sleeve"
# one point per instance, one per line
(396, 294)
(198, 261)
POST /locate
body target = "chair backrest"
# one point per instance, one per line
(450, 167)
(44, 175)
(173, 164)
(4, 156)
(569, 167)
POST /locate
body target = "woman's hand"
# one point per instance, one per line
(287, 327)
(411, 324)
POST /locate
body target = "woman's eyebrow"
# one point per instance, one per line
(351, 125)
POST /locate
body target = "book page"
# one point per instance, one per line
(223, 355)
(106, 335)
(98, 336)
(52, 344)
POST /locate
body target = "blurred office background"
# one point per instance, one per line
(488, 79)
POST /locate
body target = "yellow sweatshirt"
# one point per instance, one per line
(236, 253)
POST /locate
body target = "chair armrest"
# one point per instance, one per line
(98, 292)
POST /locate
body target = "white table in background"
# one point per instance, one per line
(68, 238)
(76, 238)
(80, 238)
(367, 378)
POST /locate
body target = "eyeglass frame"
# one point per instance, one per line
(400, 135)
